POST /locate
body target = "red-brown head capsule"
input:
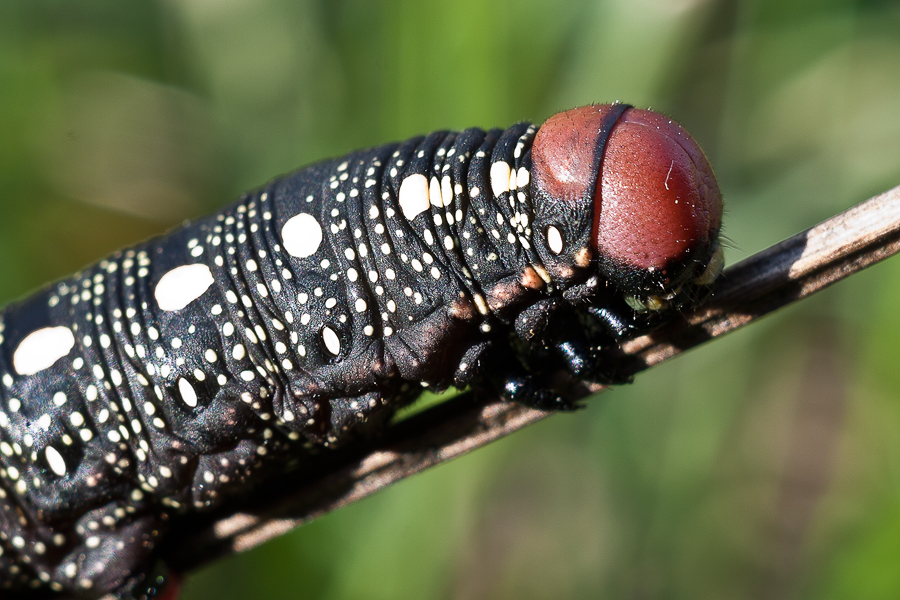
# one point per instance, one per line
(654, 204)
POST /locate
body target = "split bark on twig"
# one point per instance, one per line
(765, 282)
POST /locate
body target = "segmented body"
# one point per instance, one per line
(168, 376)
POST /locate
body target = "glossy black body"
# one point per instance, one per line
(156, 410)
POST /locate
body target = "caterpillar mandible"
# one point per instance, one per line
(175, 373)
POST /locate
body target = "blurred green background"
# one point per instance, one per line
(766, 465)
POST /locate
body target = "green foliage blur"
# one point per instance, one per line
(766, 465)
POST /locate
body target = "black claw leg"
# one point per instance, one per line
(581, 348)
(584, 352)
(85, 570)
(591, 363)
(621, 321)
(504, 375)
(522, 389)
(501, 373)
(157, 584)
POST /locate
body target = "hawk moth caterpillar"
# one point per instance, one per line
(171, 375)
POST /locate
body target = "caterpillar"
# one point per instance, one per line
(172, 375)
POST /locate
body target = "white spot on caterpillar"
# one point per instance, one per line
(554, 240)
(332, 343)
(302, 235)
(522, 177)
(446, 191)
(542, 272)
(481, 304)
(413, 196)
(434, 193)
(40, 349)
(499, 178)
(182, 285)
(55, 460)
(188, 394)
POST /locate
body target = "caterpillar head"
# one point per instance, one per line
(627, 192)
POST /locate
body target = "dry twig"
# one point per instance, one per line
(767, 281)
